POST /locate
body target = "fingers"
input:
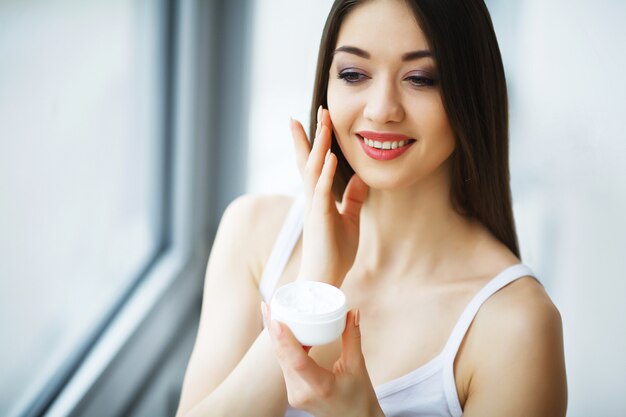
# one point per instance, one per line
(318, 121)
(351, 353)
(317, 159)
(324, 116)
(301, 144)
(292, 356)
(264, 314)
(353, 197)
(325, 182)
(311, 162)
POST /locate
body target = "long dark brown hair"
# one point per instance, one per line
(473, 90)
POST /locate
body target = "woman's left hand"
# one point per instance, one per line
(345, 391)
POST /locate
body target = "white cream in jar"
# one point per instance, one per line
(315, 312)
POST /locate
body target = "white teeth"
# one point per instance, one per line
(385, 145)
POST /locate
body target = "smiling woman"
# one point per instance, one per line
(472, 102)
(406, 209)
(381, 84)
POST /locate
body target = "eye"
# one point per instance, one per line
(351, 76)
(420, 81)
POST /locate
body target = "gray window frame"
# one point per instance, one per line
(205, 99)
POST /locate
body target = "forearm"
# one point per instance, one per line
(255, 387)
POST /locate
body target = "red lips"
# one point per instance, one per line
(384, 154)
(382, 136)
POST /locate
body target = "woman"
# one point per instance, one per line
(412, 142)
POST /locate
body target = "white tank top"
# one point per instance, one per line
(429, 390)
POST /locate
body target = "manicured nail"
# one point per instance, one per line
(327, 155)
(319, 114)
(357, 317)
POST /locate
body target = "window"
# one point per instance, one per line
(81, 184)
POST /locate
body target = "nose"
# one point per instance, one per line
(383, 103)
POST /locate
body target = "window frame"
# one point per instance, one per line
(110, 369)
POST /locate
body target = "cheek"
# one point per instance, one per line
(446, 134)
(435, 120)
(336, 106)
(344, 110)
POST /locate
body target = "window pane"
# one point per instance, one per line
(80, 152)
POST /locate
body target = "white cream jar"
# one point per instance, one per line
(315, 312)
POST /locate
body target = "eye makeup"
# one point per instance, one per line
(417, 79)
(351, 75)
(421, 79)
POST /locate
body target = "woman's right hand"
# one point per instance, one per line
(331, 233)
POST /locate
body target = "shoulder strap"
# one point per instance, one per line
(500, 281)
(460, 329)
(281, 251)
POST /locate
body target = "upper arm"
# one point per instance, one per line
(231, 316)
(522, 373)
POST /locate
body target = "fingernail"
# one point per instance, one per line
(319, 114)
(276, 328)
(327, 155)
(357, 317)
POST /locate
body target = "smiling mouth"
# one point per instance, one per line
(385, 145)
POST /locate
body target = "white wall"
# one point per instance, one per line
(285, 45)
(565, 64)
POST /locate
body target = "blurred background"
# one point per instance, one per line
(127, 126)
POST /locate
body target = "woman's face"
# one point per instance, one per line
(383, 87)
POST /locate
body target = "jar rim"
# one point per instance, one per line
(279, 310)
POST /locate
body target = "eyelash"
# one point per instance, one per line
(351, 77)
(354, 77)
(424, 81)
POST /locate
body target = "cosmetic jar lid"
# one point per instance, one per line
(309, 301)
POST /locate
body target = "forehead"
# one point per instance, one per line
(382, 27)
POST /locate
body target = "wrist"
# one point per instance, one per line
(369, 408)
(374, 406)
(376, 411)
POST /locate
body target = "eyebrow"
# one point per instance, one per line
(409, 56)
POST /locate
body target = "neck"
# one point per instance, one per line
(413, 231)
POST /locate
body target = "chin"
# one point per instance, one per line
(384, 182)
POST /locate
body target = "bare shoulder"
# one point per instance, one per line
(519, 314)
(257, 210)
(255, 221)
(517, 354)
(521, 309)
